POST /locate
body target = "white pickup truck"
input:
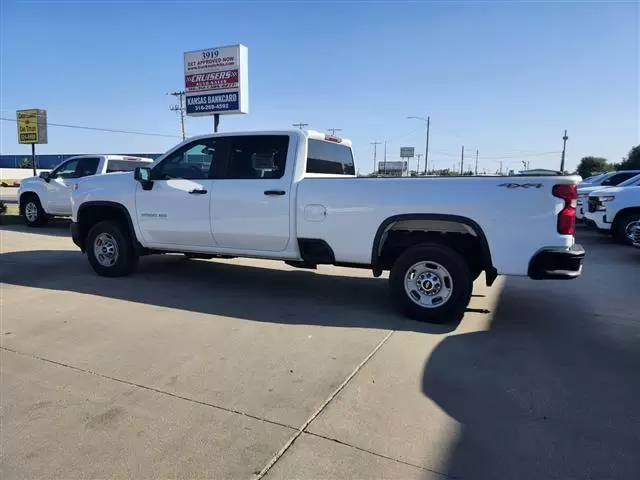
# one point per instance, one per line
(50, 194)
(294, 196)
(616, 210)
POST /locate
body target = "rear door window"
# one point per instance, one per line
(87, 166)
(257, 157)
(329, 158)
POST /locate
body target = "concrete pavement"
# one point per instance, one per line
(9, 194)
(240, 369)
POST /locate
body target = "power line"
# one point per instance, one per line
(99, 129)
(334, 130)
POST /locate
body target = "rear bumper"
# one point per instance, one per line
(75, 235)
(557, 263)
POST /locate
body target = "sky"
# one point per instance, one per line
(502, 78)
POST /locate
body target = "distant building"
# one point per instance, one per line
(393, 169)
(51, 160)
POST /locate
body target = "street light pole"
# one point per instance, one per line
(426, 146)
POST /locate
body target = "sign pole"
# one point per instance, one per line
(33, 159)
(216, 122)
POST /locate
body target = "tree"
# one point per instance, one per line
(25, 163)
(592, 165)
(632, 160)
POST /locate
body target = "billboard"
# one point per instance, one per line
(32, 125)
(216, 81)
(407, 152)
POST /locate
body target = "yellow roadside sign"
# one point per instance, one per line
(32, 126)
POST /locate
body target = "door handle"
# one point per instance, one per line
(195, 191)
(274, 192)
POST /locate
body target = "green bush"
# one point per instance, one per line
(25, 163)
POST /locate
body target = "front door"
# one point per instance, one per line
(175, 211)
(58, 197)
(250, 201)
(62, 179)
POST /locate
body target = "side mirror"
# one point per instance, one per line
(143, 175)
(46, 176)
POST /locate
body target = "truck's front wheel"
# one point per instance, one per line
(623, 228)
(431, 283)
(32, 211)
(110, 250)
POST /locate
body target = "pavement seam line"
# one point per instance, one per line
(318, 411)
(404, 462)
(145, 387)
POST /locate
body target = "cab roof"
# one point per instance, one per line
(311, 134)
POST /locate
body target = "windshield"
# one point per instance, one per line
(592, 179)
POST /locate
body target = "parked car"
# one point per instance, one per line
(49, 194)
(616, 210)
(294, 196)
(610, 179)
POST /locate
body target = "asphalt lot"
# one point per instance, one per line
(238, 369)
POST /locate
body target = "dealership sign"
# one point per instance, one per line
(407, 152)
(216, 81)
(32, 125)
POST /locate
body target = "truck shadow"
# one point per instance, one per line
(57, 227)
(223, 288)
(549, 391)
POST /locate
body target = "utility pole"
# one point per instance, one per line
(180, 109)
(426, 148)
(418, 167)
(462, 161)
(385, 157)
(334, 130)
(564, 148)
(301, 125)
(476, 162)
(375, 151)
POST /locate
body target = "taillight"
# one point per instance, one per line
(567, 216)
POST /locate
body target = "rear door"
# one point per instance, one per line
(175, 211)
(250, 201)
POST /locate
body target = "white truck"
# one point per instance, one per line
(616, 210)
(610, 179)
(49, 194)
(294, 196)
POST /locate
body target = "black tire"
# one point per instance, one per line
(459, 279)
(622, 226)
(118, 235)
(31, 203)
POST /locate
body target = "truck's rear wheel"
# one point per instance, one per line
(32, 212)
(431, 283)
(623, 228)
(110, 250)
